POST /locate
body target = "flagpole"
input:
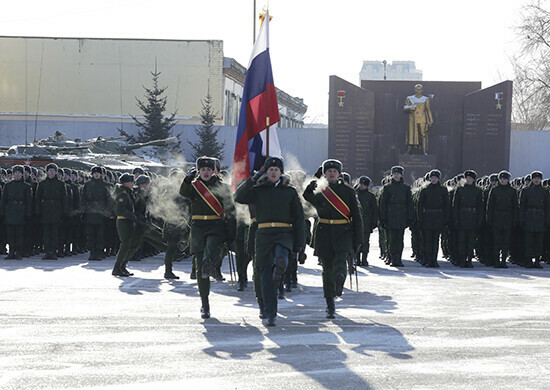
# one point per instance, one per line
(267, 136)
(254, 23)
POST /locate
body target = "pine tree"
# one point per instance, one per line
(208, 145)
(155, 125)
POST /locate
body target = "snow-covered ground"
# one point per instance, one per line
(70, 324)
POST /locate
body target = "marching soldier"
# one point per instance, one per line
(468, 217)
(212, 222)
(96, 204)
(396, 213)
(280, 231)
(51, 204)
(501, 215)
(534, 218)
(339, 231)
(126, 223)
(369, 207)
(15, 207)
(434, 211)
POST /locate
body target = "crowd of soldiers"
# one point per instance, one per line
(267, 221)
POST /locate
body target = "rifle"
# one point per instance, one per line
(232, 267)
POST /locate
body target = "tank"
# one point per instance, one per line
(114, 153)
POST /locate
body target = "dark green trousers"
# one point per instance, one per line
(534, 244)
(241, 258)
(501, 242)
(170, 254)
(95, 234)
(466, 243)
(212, 251)
(395, 240)
(15, 237)
(51, 236)
(332, 267)
(431, 244)
(127, 233)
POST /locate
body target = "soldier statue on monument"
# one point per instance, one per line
(420, 119)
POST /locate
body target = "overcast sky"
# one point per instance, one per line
(468, 40)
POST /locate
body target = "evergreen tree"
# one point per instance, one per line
(155, 125)
(208, 145)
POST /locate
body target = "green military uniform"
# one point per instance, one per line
(241, 257)
(51, 204)
(145, 231)
(534, 217)
(96, 205)
(280, 219)
(336, 237)
(434, 212)
(16, 206)
(208, 230)
(126, 224)
(468, 217)
(369, 208)
(501, 217)
(396, 213)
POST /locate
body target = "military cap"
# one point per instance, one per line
(526, 178)
(51, 166)
(74, 172)
(9, 171)
(365, 180)
(346, 177)
(126, 177)
(436, 173)
(470, 173)
(206, 162)
(34, 171)
(27, 168)
(3, 171)
(504, 175)
(397, 169)
(274, 162)
(545, 182)
(142, 179)
(138, 171)
(427, 176)
(17, 168)
(96, 169)
(494, 177)
(536, 174)
(218, 164)
(109, 174)
(332, 163)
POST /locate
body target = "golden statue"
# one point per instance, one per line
(420, 119)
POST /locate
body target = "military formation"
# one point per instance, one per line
(269, 219)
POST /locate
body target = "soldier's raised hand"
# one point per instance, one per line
(312, 186)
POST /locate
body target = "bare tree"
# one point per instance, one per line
(532, 67)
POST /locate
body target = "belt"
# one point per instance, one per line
(120, 217)
(430, 211)
(273, 224)
(334, 221)
(205, 217)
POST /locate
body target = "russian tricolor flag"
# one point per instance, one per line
(259, 107)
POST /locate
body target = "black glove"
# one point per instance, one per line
(257, 175)
(312, 186)
(319, 173)
(190, 175)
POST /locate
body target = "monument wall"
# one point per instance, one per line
(447, 137)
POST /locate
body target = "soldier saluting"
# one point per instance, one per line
(212, 223)
(280, 218)
(339, 231)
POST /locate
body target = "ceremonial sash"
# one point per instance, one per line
(336, 202)
(208, 197)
